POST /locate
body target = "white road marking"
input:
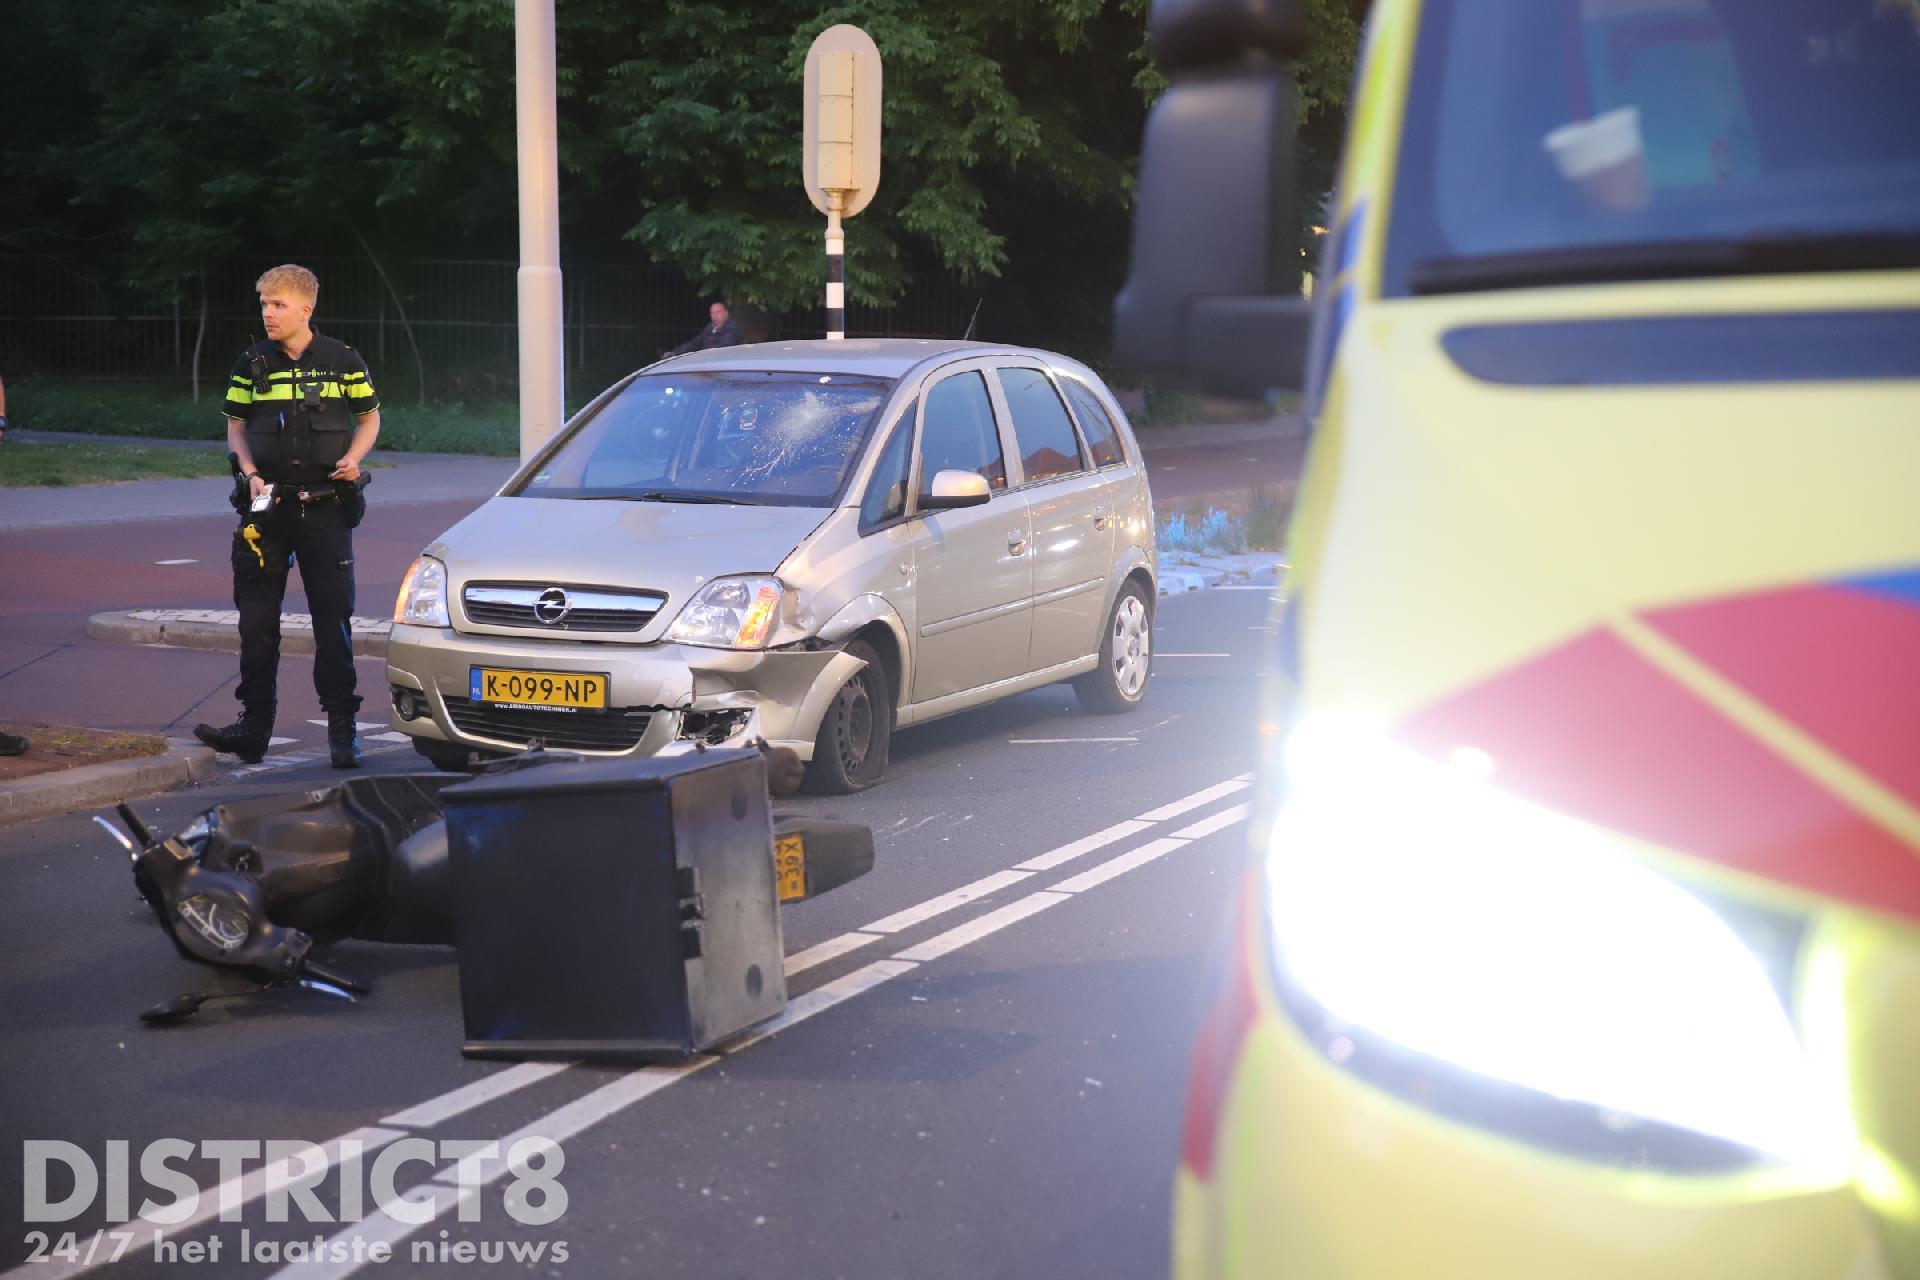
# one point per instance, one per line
(584, 1112)
(361, 725)
(455, 1102)
(1214, 822)
(1086, 844)
(281, 742)
(1043, 742)
(822, 998)
(390, 737)
(381, 1227)
(273, 762)
(176, 562)
(591, 1108)
(974, 930)
(1246, 586)
(241, 1190)
(832, 949)
(1115, 866)
(945, 902)
(1194, 801)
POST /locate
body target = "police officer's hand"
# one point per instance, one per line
(347, 470)
(255, 485)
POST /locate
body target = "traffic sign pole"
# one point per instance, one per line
(840, 156)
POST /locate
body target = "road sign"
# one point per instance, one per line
(841, 153)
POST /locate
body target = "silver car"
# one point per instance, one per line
(813, 542)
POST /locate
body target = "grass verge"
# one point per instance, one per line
(57, 746)
(49, 466)
(165, 415)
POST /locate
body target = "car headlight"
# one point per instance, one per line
(1415, 904)
(730, 613)
(423, 595)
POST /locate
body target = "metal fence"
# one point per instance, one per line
(444, 329)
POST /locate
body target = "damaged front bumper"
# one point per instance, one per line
(657, 695)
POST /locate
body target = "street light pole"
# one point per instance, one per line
(542, 387)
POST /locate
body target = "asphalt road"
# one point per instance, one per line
(54, 577)
(981, 1073)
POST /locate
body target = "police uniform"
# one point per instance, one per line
(300, 417)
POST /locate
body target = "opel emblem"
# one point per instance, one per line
(552, 606)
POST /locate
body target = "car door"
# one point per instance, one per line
(973, 566)
(1068, 510)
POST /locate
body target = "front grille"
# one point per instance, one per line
(513, 604)
(618, 729)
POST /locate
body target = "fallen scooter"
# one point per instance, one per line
(262, 887)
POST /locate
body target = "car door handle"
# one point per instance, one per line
(1016, 539)
(1099, 517)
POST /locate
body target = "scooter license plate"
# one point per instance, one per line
(790, 867)
(548, 690)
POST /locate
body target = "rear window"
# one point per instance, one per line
(1103, 438)
(1571, 140)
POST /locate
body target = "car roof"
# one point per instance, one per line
(878, 357)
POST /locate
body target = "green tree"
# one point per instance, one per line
(702, 116)
(187, 129)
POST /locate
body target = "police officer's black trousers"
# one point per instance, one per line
(317, 537)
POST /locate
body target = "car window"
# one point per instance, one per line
(887, 492)
(957, 432)
(1102, 437)
(1554, 141)
(1048, 446)
(739, 436)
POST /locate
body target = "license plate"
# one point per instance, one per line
(790, 867)
(549, 690)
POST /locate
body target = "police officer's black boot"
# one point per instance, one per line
(245, 737)
(342, 742)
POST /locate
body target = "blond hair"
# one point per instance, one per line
(289, 278)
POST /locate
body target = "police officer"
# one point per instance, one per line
(301, 418)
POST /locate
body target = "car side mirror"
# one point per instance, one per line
(1212, 297)
(952, 489)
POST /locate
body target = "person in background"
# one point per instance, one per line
(722, 332)
(3, 413)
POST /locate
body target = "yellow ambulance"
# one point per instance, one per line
(1580, 934)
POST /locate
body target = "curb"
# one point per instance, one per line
(1175, 582)
(182, 629)
(1181, 571)
(42, 795)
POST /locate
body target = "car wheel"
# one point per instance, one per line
(1119, 683)
(851, 752)
(446, 756)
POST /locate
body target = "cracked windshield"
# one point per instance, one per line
(754, 438)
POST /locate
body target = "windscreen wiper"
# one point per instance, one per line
(1770, 254)
(657, 495)
(673, 495)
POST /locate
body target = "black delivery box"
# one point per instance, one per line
(615, 910)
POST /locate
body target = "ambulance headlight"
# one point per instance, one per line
(1426, 917)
